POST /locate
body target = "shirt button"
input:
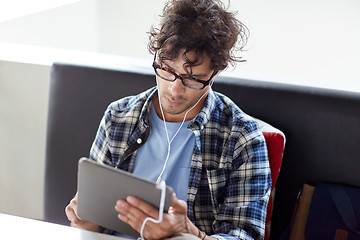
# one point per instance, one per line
(139, 141)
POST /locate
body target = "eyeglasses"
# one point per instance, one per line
(187, 80)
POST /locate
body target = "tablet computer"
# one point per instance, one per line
(99, 188)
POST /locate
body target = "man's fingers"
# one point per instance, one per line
(75, 220)
(135, 215)
(70, 211)
(130, 214)
(143, 206)
(134, 211)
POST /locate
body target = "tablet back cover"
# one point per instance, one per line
(100, 186)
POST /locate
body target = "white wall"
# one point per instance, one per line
(23, 103)
(304, 42)
(72, 26)
(123, 26)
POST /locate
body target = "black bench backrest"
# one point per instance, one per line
(322, 129)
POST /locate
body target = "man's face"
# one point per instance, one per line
(176, 98)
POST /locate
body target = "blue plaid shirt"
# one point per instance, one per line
(230, 180)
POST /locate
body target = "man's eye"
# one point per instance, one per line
(191, 78)
(166, 68)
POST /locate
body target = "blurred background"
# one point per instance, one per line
(311, 43)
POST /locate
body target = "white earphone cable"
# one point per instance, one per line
(158, 181)
(166, 130)
(162, 185)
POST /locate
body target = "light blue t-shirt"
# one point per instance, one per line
(150, 157)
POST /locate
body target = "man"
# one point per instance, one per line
(210, 152)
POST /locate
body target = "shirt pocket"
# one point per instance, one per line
(217, 179)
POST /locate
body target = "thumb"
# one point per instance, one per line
(177, 205)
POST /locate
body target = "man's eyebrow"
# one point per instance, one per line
(192, 75)
(199, 75)
(167, 65)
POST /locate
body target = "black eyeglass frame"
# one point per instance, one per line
(204, 82)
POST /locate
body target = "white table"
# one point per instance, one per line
(13, 228)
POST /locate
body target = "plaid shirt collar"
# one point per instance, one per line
(197, 123)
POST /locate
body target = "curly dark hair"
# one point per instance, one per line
(199, 26)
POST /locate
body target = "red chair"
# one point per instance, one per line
(275, 141)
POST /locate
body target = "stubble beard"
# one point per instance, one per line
(176, 110)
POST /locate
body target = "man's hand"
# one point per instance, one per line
(75, 221)
(134, 211)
